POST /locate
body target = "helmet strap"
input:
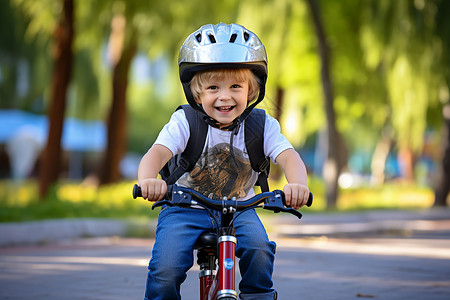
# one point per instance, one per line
(248, 110)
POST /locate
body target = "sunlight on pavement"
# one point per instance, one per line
(362, 278)
(368, 226)
(76, 260)
(48, 265)
(402, 247)
(44, 267)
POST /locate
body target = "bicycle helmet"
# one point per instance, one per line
(222, 46)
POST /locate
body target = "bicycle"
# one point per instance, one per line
(216, 250)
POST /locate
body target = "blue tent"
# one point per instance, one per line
(78, 135)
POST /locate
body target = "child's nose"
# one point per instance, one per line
(224, 95)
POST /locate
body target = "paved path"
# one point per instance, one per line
(410, 260)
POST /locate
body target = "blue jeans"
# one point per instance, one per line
(172, 255)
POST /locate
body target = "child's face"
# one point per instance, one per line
(224, 100)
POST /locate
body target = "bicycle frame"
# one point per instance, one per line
(218, 281)
(223, 283)
(220, 285)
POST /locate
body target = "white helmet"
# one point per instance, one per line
(222, 46)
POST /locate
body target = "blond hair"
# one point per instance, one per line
(239, 75)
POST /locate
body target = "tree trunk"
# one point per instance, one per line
(50, 166)
(406, 161)
(275, 171)
(443, 187)
(336, 154)
(279, 100)
(379, 158)
(117, 120)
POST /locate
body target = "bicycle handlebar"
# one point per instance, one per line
(185, 197)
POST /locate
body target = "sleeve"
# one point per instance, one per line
(274, 141)
(175, 133)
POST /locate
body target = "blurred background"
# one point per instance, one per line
(360, 87)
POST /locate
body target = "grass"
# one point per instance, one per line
(19, 202)
(389, 196)
(71, 200)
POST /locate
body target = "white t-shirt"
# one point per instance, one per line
(216, 174)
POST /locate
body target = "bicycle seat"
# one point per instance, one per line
(206, 239)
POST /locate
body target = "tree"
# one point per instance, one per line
(124, 21)
(400, 44)
(336, 153)
(443, 185)
(52, 155)
(122, 50)
(361, 106)
(442, 31)
(126, 26)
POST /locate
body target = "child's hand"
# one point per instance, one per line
(153, 189)
(296, 195)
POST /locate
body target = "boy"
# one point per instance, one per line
(223, 69)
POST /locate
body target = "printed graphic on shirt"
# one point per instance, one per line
(217, 175)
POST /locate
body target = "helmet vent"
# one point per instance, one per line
(233, 37)
(212, 38)
(246, 36)
(198, 37)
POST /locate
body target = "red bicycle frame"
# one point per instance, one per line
(222, 284)
(218, 281)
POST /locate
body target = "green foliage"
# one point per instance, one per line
(400, 44)
(293, 63)
(43, 16)
(149, 112)
(24, 60)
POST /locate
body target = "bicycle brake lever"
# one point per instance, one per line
(276, 204)
(174, 197)
(161, 203)
(277, 209)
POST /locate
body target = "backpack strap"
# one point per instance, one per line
(254, 141)
(186, 160)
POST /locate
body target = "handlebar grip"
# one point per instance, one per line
(137, 192)
(310, 200)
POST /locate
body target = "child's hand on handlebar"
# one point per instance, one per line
(153, 189)
(296, 195)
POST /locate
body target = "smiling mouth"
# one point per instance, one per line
(225, 108)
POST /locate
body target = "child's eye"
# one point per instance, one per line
(212, 87)
(236, 86)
